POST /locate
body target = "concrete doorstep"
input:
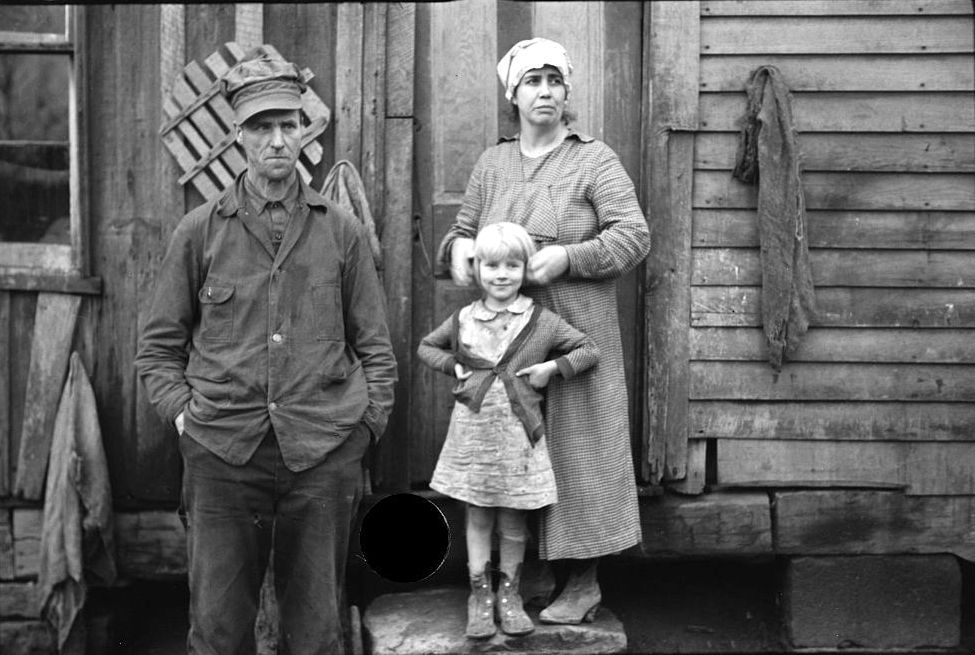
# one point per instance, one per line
(432, 622)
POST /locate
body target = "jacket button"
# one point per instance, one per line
(272, 406)
(277, 338)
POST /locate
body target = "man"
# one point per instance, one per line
(267, 347)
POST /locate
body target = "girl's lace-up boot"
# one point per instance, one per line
(510, 607)
(480, 606)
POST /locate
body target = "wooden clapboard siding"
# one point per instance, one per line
(728, 380)
(829, 420)
(875, 522)
(881, 93)
(894, 230)
(843, 307)
(953, 346)
(833, 7)
(836, 34)
(922, 468)
(863, 268)
(826, 151)
(854, 112)
(820, 73)
(879, 191)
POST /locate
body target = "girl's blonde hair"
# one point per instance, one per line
(499, 241)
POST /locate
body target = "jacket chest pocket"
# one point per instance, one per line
(327, 315)
(216, 311)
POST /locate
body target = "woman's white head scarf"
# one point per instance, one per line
(528, 55)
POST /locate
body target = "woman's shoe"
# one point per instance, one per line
(578, 602)
(511, 608)
(480, 607)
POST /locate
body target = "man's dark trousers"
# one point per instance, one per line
(231, 513)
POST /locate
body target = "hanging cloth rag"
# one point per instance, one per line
(77, 544)
(344, 187)
(768, 155)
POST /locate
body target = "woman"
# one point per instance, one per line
(573, 196)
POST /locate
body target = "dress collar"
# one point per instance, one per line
(573, 134)
(481, 312)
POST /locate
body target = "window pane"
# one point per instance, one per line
(47, 19)
(34, 147)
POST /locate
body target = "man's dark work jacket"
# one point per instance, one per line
(244, 339)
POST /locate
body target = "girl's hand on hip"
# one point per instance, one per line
(539, 374)
(547, 265)
(462, 261)
(460, 373)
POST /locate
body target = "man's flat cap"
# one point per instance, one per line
(262, 84)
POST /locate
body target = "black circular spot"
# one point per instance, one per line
(404, 538)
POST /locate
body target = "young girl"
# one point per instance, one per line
(494, 457)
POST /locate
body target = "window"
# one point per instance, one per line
(41, 227)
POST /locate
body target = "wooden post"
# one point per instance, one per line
(397, 234)
(5, 433)
(671, 78)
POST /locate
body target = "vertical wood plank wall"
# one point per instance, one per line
(461, 110)
(134, 199)
(880, 393)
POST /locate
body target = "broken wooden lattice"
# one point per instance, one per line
(200, 131)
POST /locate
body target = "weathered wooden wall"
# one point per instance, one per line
(880, 393)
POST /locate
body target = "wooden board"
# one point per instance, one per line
(840, 381)
(27, 526)
(623, 75)
(715, 524)
(912, 346)
(839, 307)
(738, 228)
(853, 112)
(400, 31)
(835, 420)
(464, 117)
(7, 570)
(348, 82)
(826, 73)
(921, 468)
(19, 600)
(670, 68)
(833, 7)
(398, 251)
(868, 268)
(6, 464)
(843, 191)
(903, 153)
(696, 469)
(50, 350)
(836, 35)
(134, 207)
(874, 522)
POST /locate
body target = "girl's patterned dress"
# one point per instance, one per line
(487, 459)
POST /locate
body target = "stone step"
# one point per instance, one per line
(432, 622)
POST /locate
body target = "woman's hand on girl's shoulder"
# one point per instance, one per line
(460, 373)
(462, 261)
